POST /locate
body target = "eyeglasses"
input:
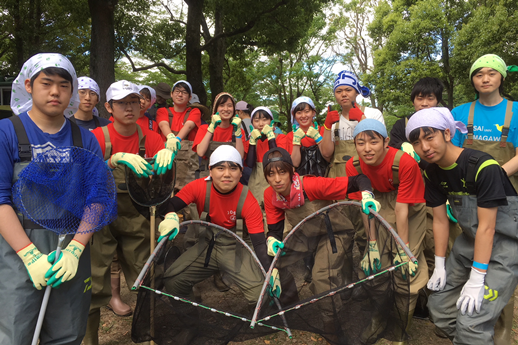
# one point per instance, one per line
(85, 92)
(180, 92)
(123, 105)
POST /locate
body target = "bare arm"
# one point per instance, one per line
(203, 146)
(327, 146)
(11, 229)
(164, 127)
(485, 234)
(511, 167)
(295, 155)
(239, 147)
(402, 220)
(441, 230)
(186, 129)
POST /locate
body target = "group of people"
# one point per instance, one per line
(444, 180)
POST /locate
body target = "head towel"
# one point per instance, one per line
(439, 118)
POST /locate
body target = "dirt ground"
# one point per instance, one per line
(117, 330)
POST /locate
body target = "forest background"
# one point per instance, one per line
(269, 52)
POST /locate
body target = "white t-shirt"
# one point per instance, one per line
(346, 127)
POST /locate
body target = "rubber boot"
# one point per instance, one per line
(92, 328)
(377, 325)
(404, 334)
(116, 305)
(504, 324)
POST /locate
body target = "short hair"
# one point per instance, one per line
(184, 86)
(231, 164)
(146, 93)
(428, 86)
(52, 71)
(416, 133)
(301, 107)
(371, 134)
(500, 88)
(224, 99)
(278, 165)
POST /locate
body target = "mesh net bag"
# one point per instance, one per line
(324, 290)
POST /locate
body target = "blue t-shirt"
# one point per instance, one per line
(487, 122)
(40, 142)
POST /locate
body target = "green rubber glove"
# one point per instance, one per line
(169, 227)
(368, 201)
(275, 284)
(254, 136)
(164, 161)
(450, 212)
(408, 148)
(214, 122)
(371, 262)
(36, 264)
(268, 131)
(314, 134)
(173, 143)
(136, 163)
(274, 245)
(410, 268)
(66, 267)
(298, 135)
(236, 123)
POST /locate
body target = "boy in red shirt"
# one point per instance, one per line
(398, 186)
(145, 122)
(120, 144)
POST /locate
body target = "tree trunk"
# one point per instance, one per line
(18, 39)
(102, 47)
(193, 63)
(216, 51)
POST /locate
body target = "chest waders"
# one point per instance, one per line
(65, 318)
(209, 253)
(187, 161)
(203, 170)
(311, 162)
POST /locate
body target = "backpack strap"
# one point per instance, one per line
(24, 146)
(471, 116)
(206, 208)
(507, 123)
(356, 164)
(107, 143)
(472, 171)
(395, 168)
(142, 142)
(240, 226)
(170, 116)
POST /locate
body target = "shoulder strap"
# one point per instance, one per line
(395, 168)
(107, 143)
(356, 164)
(186, 116)
(507, 123)
(170, 116)
(24, 146)
(471, 173)
(142, 143)
(206, 208)
(73, 119)
(471, 116)
(77, 139)
(240, 226)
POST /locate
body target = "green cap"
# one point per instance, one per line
(275, 116)
(492, 61)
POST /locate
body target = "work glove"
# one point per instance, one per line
(275, 284)
(409, 268)
(472, 293)
(164, 161)
(408, 148)
(331, 118)
(371, 262)
(173, 143)
(36, 264)
(236, 123)
(355, 114)
(169, 227)
(255, 135)
(274, 245)
(214, 122)
(136, 163)
(66, 267)
(314, 134)
(298, 135)
(368, 201)
(438, 280)
(449, 212)
(268, 131)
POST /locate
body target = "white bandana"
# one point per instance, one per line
(90, 84)
(151, 91)
(21, 100)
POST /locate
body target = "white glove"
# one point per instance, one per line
(408, 148)
(173, 142)
(438, 280)
(472, 293)
(169, 227)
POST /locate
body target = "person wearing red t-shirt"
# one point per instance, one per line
(398, 185)
(224, 209)
(120, 144)
(304, 143)
(224, 129)
(285, 197)
(145, 122)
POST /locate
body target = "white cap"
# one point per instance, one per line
(225, 153)
(121, 89)
(194, 99)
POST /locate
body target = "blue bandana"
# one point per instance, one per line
(349, 79)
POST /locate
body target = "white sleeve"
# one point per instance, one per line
(373, 113)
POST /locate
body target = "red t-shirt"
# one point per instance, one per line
(222, 210)
(316, 188)
(177, 124)
(307, 142)
(411, 186)
(129, 144)
(144, 121)
(222, 135)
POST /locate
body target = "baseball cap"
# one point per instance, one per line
(242, 105)
(121, 89)
(285, 156)
(163, 90)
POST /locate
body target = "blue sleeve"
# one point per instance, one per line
(8, 156)
(513, 130)
(459, 114)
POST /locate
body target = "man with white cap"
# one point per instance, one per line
(229, 202)
(41, 93)
(481, 272)
(89, 96)
(398, 186)
(123, 144)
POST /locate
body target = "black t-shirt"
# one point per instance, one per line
(491, 183)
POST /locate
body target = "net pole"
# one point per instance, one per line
(152, 219)
(46, 297)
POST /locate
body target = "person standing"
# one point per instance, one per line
(89, 96)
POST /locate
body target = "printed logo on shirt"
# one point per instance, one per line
(232, 215)
(62, 157)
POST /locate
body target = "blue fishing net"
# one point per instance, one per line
(67, 190)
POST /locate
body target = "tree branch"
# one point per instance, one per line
(172, 19)
(144, 68)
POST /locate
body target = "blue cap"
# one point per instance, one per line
(370, 125)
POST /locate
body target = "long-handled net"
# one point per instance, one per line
(331, 297)
(65, 190)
